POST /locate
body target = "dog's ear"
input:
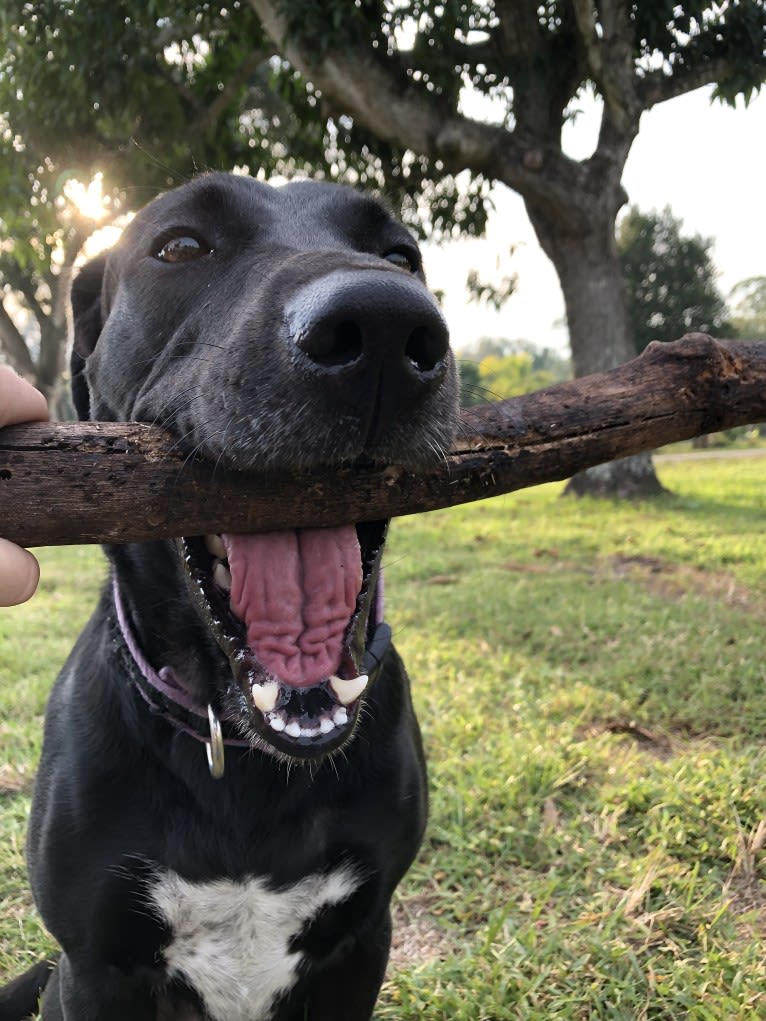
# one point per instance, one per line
(88, 321)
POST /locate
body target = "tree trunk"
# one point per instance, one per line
(589, 271)
(14, 346)
(50, 363)
(54, 331)
(45, 372)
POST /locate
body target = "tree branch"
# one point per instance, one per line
(585, 17)
(611, 60)
(94, 482)
(520, 29)
(59, 285)
(14, 345)
(25, 286)
(658, 86)
(379, 96)
(528, 47)
(229, 92)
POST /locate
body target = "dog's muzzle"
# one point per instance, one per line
(299, 615)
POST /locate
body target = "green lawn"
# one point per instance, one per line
(591, 682)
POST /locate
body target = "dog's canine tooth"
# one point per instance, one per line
(347, 691)
(215, 546)
(265, 695)
(222, 576)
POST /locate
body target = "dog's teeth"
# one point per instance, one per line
(293, 729)
(326, 725)
(215, 546)
(277, 723)
(310, 731)
(265, 695)
(347, 691)
(340, 716)
(222, 577)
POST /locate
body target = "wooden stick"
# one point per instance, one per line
(115, 482)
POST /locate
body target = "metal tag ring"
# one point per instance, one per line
(214, 747)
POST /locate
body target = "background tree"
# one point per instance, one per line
(42, 233)
(377, 93)
(670, 286)
(143, 95)
(496, 368)
(748, 308)
(748, 315)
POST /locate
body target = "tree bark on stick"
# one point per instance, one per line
(126, 482)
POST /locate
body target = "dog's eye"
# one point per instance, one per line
(404, 258)
(182, 248)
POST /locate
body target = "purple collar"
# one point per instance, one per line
(167, 696)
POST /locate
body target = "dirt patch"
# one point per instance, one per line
(417, 938)
(673, 581)
(14, 781)
(622, 564)
(443, 579)
(744, 888)
(663, 578)
(747, 903)
(654, 742)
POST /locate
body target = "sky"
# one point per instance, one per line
(707, 162)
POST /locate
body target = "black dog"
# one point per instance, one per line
(266, 328)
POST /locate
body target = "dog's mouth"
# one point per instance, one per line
(298, 614)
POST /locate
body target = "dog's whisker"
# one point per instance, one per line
(160, 164)
(173, 420)
(180, 402)
(222, 452)
(438, 451)
(209, 343)
(464, 430)
(196, 449)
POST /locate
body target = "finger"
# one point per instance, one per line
(19, 574)
(19, 401)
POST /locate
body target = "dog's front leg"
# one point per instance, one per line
(347, 991)
(73, 995)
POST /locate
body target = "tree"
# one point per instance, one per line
(748, 315)
(531, 60)
(748, 304)
(43, 232)
(375, 92)
(669, 280)
(496, 368)
(112, 92)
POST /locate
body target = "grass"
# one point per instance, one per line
(591, 684)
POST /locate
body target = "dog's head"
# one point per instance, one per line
(274, 328)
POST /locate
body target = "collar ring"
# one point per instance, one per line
(214, 746)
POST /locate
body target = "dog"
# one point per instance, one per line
(232, 780)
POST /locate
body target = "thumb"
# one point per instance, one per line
(19, 574)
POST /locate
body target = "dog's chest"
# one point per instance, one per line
(231, 941)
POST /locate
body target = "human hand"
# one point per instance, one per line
(19, 571)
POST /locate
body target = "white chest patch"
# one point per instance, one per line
(230, 940)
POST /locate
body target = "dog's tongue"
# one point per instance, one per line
(296, 592)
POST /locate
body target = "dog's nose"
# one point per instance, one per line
(376, 332)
